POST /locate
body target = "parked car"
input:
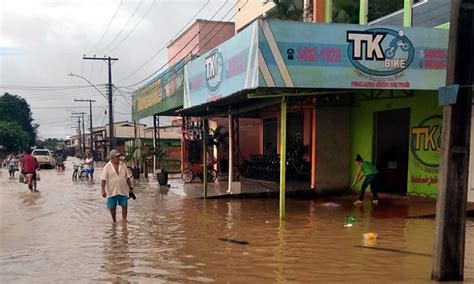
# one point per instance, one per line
(44, 157)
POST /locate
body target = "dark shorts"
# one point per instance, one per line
(117, 199)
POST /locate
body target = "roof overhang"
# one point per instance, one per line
(248, 103)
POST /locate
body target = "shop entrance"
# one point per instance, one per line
(270, 126)
(391, 146)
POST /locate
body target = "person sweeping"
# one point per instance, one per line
(371, 174)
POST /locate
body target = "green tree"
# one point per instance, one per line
(15, 108)
(48, 143)
(290, 10)
(346, 11)
(13, 137)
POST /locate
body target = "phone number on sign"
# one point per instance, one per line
(313, 54)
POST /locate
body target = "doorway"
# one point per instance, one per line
(391, 147)
(270, 126)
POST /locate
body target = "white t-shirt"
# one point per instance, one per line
(89, 163)
(116, 184)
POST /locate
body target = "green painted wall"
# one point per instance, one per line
(425, 130)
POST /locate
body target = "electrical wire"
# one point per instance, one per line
(62, 107)
(133, 29)
(186, 45)
(128, 100)
(164, 46)
(44, 87)
(123, 28)
(108, 26)
(207, 36)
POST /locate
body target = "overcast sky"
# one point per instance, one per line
(41, 41)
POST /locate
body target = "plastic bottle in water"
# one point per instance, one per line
(370, 236)
(350, 219)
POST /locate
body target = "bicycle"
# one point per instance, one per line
(198, 170)
(297, 165)
(79, 171)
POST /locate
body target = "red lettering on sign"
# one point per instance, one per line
(235, 65)
(197, 82)
(315, 54)
(435, 53)
(434, 64)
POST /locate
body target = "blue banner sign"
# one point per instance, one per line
(308, 55)
(285, 54)
(227, 69)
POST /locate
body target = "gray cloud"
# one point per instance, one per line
(43, 42)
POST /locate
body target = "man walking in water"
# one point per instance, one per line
(116, 184)
(29, 164)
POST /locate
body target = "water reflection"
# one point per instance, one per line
(280, 254)
(117, 254)
(30, 198)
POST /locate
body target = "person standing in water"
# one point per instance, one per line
(371, 174)
(89, 164)
(12, 165)
(116, 184)
(59, 163)
(29, 165)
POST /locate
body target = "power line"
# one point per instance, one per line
(44, 87)
(108, 26)
(164, 46)
(123, 28)
(207, 36)
(125, 98)
(62, 107)
(186, 45)
(133, 29)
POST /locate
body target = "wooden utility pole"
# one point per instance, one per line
(111, 114)
(83, 131)
(81, 150)
(450, 226)
(90, 121)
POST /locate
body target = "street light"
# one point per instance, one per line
(79, 76)
(111, 130)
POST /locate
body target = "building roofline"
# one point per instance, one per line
(195, 23)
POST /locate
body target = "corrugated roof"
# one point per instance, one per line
(427, 13)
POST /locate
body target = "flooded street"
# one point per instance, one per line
(65, 234)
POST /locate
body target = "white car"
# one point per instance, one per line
(44, 157)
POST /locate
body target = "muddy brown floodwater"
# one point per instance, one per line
(64, 234)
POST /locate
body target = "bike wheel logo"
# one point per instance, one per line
(380, 51)
(214, 69)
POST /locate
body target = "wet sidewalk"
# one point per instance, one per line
(390, 206)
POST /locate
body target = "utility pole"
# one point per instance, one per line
(83, 131)
(111, 116)
(79, 132)
(450, 223)
(90, 119)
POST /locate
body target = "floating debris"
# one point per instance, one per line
(370, 236)
(234, 241)
(330, 204)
